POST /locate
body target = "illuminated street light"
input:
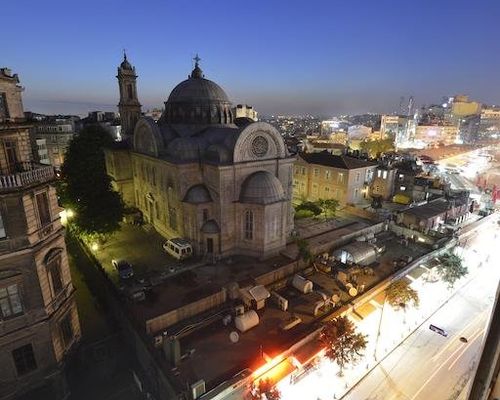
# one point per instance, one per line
(94, 246)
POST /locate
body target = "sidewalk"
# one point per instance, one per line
(396, 327)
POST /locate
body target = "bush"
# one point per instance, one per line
(304, 214)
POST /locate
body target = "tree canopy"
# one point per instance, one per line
(400, 294)
(86, 187)
(451, 268)
(342, 343)
(376, 147)
(328, 206)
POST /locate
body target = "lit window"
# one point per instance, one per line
(384, 175)
(327, 174)
(316, 171)
(340, 177)
(402, 188)
(379, 173)
(10, 302)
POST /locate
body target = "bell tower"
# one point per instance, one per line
(129, 106)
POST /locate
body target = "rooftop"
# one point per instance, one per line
(336, 161)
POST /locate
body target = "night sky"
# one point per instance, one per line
(282, 56)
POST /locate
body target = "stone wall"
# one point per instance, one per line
(157, 324)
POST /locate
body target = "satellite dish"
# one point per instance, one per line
(234, 337)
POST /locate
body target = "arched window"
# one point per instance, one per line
(130, 92)
(249, 225)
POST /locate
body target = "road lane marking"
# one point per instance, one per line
(479, 334)
(435, 372)
(452, 342)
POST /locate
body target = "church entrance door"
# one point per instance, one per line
(210, 246)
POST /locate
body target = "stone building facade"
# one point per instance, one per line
(196, 174)
(39, 323)
(328, 176)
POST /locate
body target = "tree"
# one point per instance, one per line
(304, 251)
(451, 268)
(343, 344)
(376, 147)
(329, 207)
(264, 390)
(308, 208)
(400, 294)
(86, 187)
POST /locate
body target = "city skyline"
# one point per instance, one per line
(329, 59)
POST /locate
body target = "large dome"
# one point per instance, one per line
(197, 90)
(198, 101)
(262, 187)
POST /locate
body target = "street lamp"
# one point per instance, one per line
(379, 326)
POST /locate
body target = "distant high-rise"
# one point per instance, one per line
(38, 316)
(129, 106)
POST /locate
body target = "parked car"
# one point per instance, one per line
(178, 248)
(124, 268)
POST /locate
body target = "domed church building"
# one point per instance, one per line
(196, 174)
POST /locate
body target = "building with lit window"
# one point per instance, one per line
(38, 317)
(329, 176)
(57, 133)
(196, 174)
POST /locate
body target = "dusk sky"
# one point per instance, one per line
(320, 57)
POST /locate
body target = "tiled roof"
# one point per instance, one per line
(331, 160)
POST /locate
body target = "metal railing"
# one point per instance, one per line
(24, 174)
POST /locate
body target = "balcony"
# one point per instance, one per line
(25, 174)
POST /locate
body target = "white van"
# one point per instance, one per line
(178, 248)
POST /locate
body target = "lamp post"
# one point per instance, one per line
(378, 329)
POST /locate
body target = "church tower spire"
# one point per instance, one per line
(129, 106)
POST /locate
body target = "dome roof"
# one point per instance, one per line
(198, 102)
(197, 194)
(262, 187)
(210, 226)
(197, 90)
(185, 149)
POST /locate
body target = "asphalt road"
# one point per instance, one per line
(429, 366)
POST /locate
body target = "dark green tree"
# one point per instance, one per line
(343, 344)
(451, 268)
(400, 294)
(86, 187)
(311, 206)
(329, 207)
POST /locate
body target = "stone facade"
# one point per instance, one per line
(197, 175)
(328, 176)
(129, 106)
(38, 318)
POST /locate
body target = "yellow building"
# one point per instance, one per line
(328, 176)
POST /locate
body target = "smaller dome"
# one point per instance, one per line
(210, 226)
(197, 194)
(262, 188)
